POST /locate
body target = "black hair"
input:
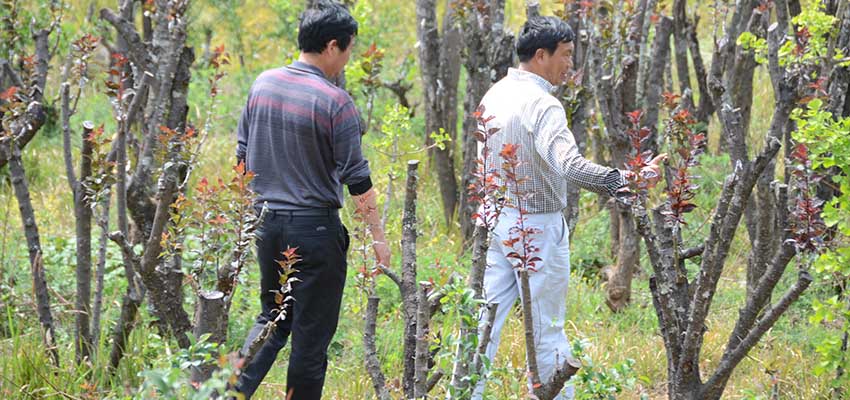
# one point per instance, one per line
(325, 21)
(542, 33)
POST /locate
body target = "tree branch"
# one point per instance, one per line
(691, 252)
(423, 341)
(138, 51)
(771, 315)
(373, 365)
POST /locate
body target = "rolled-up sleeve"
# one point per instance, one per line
(556, 144)
(352, 166)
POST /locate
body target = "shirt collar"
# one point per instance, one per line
(541, 82)
(308, 68)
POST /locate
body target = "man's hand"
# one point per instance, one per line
(382, 253)
(367, 209)
(652, 171)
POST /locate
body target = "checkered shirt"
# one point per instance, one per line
(526, 113)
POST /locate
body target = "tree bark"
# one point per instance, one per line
(615, 100)
(680, 31)
(34, 116)
(103, 242)
(83, 217)
(22, 193)
(166, 106)
(423, 342)
(373, 364)
(619, 286)
(468, 331)
(210, 318)
(135, 288)
(655, 82)
(528, 332)
(408, 277)
(489, 54)
(132, 299)
(439, 64)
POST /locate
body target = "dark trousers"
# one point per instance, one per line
(311, 318)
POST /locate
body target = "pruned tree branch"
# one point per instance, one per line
(373, 364)
(423, 341)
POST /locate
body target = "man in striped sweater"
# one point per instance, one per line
(301, 134)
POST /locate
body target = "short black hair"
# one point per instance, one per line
(542, 33)
(325, 21)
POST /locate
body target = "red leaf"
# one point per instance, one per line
(509, 150)
(9, 93)
(635, 116)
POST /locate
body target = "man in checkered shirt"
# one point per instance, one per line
(526, 114)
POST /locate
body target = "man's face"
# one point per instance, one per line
(556, 66)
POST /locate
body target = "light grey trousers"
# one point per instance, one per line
(548, 290)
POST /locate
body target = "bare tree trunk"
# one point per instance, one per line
(469, 330)
(680, 28)
(489, 54)
(22, 193)
(34, 115)
(655, 82)
(210, 318)
(532, 8)
(423, 342)
(439, 61)
(528, 324)
(408, 277)
(132, 299)
(103, 242)
(373, 364)
(83, 216)
(166, 106)
(706, 107)
(619, 287)
(616, 99)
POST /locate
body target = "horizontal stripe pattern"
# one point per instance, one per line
(300, 134)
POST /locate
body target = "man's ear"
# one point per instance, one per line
(333, 43)
(539, 53)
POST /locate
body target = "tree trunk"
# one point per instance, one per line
(166, 106)
(489, 54)
(408, 277)
(619, 287)
(135, 289)
(83, 216)
(35, 115)
(439, 63)
(211, 317)
(423, 342)
(97, 307)
(373, 364)
(680, 28)
(469, 329)
(615, 100)
(39, 284)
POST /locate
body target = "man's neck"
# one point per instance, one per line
(528, 67)
(317, 61)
